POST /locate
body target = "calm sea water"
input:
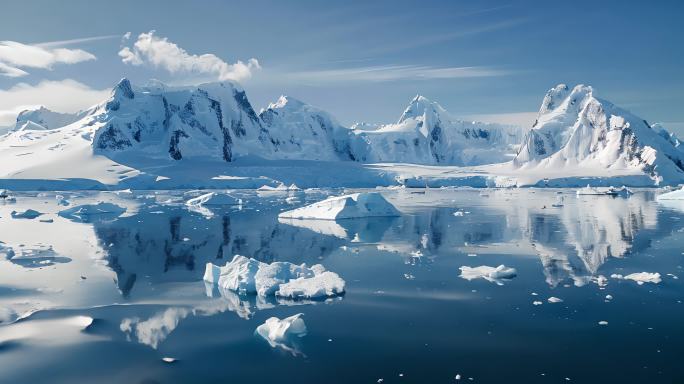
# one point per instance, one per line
(407, 315)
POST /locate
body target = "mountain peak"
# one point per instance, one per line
(285, 101)
(420, 106)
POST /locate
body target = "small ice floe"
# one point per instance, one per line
(640, 277)
(672, 275)
(214, 198)
(280, 188)
(283, 333)
(603, 322)
(356, 205)
(554, 300)
(609, 297)
(493, 274)
(601, 280)
(458, 213)
(168, 360)
(27, 214)
(86, 212)
(282, 279)
(537, 302)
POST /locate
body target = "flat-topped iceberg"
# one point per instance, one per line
(493, 274)
(356, 205)
(281, 278)
(672, 195)
(640, 277)
(87, 211)
(27, 214)
(213, 198)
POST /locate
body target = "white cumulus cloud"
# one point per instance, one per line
(63, 96)
(159, 52)
(14, 56)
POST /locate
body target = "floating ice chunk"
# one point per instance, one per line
(321, 285)
(609, 297)
(283, 279)
(86, 211)
(214, 198)
(168, 360)
(269, 277)
(640, 277)
(674, 195)
(357, 205)
(603, 322)
(237, 275)
(601, 281)
(458, 213)
(537, 302)
(282, 333)
(554, 300)
(493, 274)
(27, 214)
(280, 188)
(61, 200)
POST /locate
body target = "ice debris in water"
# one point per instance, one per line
(356, 205)
(493, 274)
(554, 299)
(27, 214)
(640, 277)
(280, 278)
(282, 333)
(214, 198)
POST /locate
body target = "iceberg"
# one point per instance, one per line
(640, 277)
(356, 205)
(86, 211)
(673, 195)
(214, 198)
(27, 214)
(321, 285)
(283, 279)
(493, 274)
(281, 333)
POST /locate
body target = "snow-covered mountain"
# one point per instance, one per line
(427, 134)
(575, 129)
(299, 130)
(42, 118)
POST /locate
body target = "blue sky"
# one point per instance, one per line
(360, 60)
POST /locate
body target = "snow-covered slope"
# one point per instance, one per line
(43, 118)
(299, 130)
(575, 129)
(212, 120)
(427, 134)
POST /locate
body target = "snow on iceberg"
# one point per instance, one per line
(281, 333)
(214, 198)
(640, 277)
(356, 205)
(27, 214)
(86, 211)
(323, 284)
(493, 274)
(610, 191)
(282, 279)
(673, 195)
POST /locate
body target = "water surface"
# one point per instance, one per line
(407, 316)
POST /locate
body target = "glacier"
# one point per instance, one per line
(156, 136)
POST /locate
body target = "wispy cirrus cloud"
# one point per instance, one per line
(15, 56)
(159, 52)
(80, 40)
(382, 73)
(64, 96)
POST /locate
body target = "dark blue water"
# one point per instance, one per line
(407, 316)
